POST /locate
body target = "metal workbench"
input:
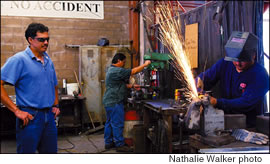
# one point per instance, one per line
(158, 122)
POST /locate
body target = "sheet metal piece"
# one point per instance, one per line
(159, 104)
(238, 150)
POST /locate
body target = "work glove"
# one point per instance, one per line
(213, 101)
(251, 137)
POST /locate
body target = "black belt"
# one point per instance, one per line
(38, 109)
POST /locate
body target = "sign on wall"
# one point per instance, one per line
(59, 9)
(191, 44)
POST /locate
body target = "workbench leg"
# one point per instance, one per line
(168, 126)
(193, 150)
(146, 121)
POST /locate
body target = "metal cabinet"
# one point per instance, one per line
(93, 64)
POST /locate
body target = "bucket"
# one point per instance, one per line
(72, 87)
(131, 118)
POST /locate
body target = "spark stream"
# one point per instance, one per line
(57, 6)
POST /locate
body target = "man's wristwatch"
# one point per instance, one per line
(57, 106)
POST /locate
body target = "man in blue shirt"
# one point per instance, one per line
(243, 82)
(32, 74)
(113, 100)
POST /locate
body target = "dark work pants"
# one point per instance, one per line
(114, 125)
(40, 133)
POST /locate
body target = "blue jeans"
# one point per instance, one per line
(40, 133)
(114, 125)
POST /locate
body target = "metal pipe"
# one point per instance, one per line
(134, 29)
(181, 6)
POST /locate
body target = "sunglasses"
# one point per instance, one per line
(42, 39)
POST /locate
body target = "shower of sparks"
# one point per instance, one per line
(171, 37)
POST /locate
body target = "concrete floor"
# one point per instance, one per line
(67, 143)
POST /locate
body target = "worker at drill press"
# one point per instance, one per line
(243, 82)
(113, 100)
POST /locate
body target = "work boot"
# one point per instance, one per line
(124, 148)
(109, 146)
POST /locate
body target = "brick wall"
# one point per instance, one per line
(65, 31)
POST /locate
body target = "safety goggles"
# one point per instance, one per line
(43, 39)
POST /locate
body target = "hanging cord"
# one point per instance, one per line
(204, 67)
(217, 15)
(267, 56)
(142, 11)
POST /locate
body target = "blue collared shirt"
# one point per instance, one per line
(34, 82)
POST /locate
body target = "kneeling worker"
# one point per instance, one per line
(243, 82)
